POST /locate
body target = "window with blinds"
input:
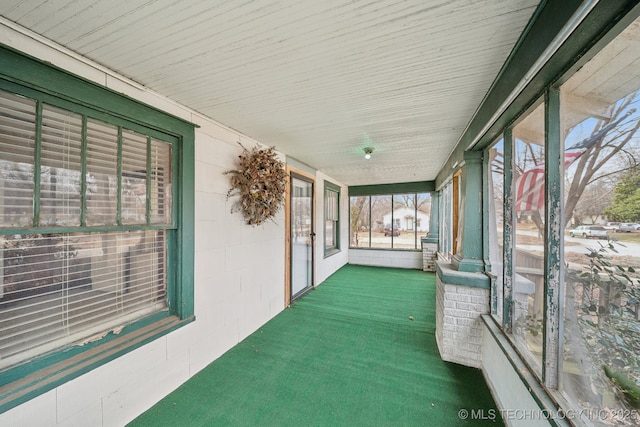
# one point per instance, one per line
(85, 224)
(331, 216)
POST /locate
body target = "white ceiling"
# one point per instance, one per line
(319, 80)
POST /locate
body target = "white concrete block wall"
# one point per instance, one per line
(386, 258)
(239, 275)
(458, 322)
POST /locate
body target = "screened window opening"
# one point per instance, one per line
(395, 221)
(583, 265)
(85, 224)
(528, 284)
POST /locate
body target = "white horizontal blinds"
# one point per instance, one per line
(61, 289)
(332, 205)
(134, 178)
(102, 173)
(17, 145)
(60, 167)
(160, 182)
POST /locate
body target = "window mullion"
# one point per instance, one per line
(370, 219)
(36, 166)
(507, 234)
(415, 221)
(554, 190)
(83, 174)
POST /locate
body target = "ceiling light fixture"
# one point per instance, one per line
(367, 152)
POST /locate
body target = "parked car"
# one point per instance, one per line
(613, 226)
(388, 230)
(587, 231)
(628, 227)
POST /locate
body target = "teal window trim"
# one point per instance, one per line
(48, 84)
(509, 220)
(553, 230)
(333, 249)
(399, 188)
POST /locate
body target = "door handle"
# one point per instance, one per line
(313, 235)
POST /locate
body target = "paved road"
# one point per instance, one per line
(624, 249)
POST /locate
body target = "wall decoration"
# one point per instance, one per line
(260, 181)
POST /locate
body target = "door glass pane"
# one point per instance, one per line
(301, 237)
(528, 284)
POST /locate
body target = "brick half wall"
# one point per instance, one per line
(459, 308)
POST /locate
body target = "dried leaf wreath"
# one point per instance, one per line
(260, 181)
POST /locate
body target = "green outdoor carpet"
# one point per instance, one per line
(360, 350)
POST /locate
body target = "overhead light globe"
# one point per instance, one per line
(367, 152)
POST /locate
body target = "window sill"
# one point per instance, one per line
(27, 381)
(330, 252)
(386, 249)
(549, 401)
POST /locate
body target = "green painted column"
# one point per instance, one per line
(434, 221)
(470, 257)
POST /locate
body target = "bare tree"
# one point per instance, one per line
(609, 140)
(589, 166)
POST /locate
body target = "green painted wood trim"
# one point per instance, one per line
(553, 229)
(399, 188)
(44, 83)
(91, 229)
(186, 221)
(331, 186)
(332, 250)
(449, 275)
(31, 72)
(486, 167)
(48, 373)
(472, 259)
(434, 219)
(546, 23)
(508, 235)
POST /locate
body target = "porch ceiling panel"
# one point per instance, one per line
(318, 80)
